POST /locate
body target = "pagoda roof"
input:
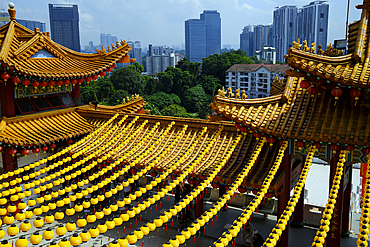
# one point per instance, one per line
(43, 128)
(331, 65)
(131, 106)
(18, 46)
(295, 114)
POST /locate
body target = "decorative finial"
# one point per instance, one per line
(11, 11)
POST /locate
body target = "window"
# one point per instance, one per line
(66, 99)
(24, 106)
(321, 15)
(41, 104)
(55, 101)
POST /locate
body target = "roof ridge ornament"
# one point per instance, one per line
(11, 11)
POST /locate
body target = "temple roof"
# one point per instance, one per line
(43, 128)
(295, 114)
(35, 54)
(331, 65)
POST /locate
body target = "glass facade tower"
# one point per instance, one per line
(203, 36)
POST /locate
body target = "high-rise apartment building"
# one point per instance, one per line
(107, 39)
(313, 23)
(203, 36)
(285, 29)
(64, 25)
(135, 51)
(159, 58)
(254, 38)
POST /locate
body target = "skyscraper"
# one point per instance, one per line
(135, 51)
(64, 25)
(33, 24)
(254, 38)
(107, 39)
(285, 29)
(246, 40)
(203, 36)
(313, 23)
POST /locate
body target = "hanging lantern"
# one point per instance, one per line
(300, 144)
(355, 93)
(237, 126)
(88, 79)
(269, 194)
(26, 82)
(305, 84)
(1, 148)
(80, 80)
(43, 84)
(51, 83)
(74, 82)
(102, 74)
(44, 148)
(334, 147)
(66, 82)
(35, 83)
(59, 83)
(25, 151)
(215, 184)
(113, 66)
(52, 146)
(16, 80)
(36, 151)
(271, 140)
(317, 145)
(312, 90)
(5, 76)
(242, 189)
(69, 142)
(95, 77)
(110, 69)
(12, 151)
(350, 147)
(258, 135)
(336, 92)
(192, 180)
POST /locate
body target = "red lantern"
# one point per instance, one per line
(26, 82)
(110, 69)
(255, 191)
(44, 149)
(350, 148)
(337, 92)
(305, 84)
(52, 146)
(355, 93)
(16, 80)
(215, 184)
(25, 151)
(5, 76)
(237, 126)
(300, 144)
(334, 147)
(1, 148)
(74, 81)
(192, 180)
(51, 83)
(59, 83)
(36, 151)
(69, 142)
(102, 74)
(153, 173)
(88, 79)
(243, 129)
(80, 80)
(242, 189)
(313, 90)
(113, 66)
(269, 194)
(317, 145)
(366, 150)
(43, 84)
(35, 83)
(66, 82)
(257, 135)
(271, 140)
(12, 151)
(95, 77)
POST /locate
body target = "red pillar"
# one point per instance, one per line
(76, 95)
(347, 204)
(7, 99)
(298, 221)
(333, 238)
(199, 203)
(9, 161)
(285, 196)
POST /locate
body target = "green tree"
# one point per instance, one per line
(136, 67)
(89, 93)
(151, 85)
(175, 111)
(128, 80)
(195, 97)
(105, 90)
(161, 100)
(175, 80)
(210, 84)
(117, 97)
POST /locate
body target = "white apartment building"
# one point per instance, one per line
(255, 79)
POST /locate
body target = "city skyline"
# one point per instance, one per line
(165, 25)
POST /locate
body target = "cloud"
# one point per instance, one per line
(246, 6)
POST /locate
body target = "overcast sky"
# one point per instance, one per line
(162, 22)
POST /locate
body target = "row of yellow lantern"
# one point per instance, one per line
(32, 184)
(284, 218)
(110, 224)
(231, 233)
(192, 230)
(324, 228)
(62, 191)
(42, 161)
(164, 218)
